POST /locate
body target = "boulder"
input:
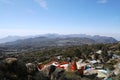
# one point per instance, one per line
(45, 73)
(31, 68)
(48, 70)
(10, 60)
(57, 73)
(117, 69)
(12, 69)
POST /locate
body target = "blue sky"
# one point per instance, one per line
(32, 17)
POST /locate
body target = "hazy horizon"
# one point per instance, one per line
(35, 35)
(35, 17)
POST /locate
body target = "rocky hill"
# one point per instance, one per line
(24, 66)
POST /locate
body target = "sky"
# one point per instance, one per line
(34, 17)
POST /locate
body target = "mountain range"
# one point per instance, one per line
(49, 40)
